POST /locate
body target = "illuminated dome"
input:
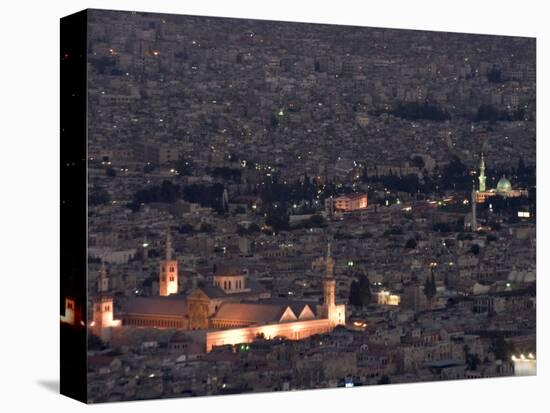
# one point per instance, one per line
(504, 186)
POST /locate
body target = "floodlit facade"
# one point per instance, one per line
(503, 188)
(350, 202)
(525, 365)
(230, 311)
(168, 271)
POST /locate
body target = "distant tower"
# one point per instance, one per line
(103, 280)
(103, 307)
(336, 314)
(225, 200)
(329, 283)
(474, 205)
(482, 177)
(168, 271)
(103, 312)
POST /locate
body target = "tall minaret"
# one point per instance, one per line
(474, 204)
(103, 306)
(225, 200)
(329, 283)
(168, 271)
(482, 177)
(103, 280)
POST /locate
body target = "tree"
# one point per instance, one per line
(186, 229)
(239, 209)
(360, 293)
(501, 348)
(364, 290)
(411, 243)
(110, 172)
(98, 196)
(430, 288)
(206, 227)
(384, 380)
(472, 360)
(148, 168)
(417, 162)
(184, 166)
(494, 75)
(169, 192)
(316, 221)
(277, 217)
(354, 296)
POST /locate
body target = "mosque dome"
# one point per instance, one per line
(504, 186)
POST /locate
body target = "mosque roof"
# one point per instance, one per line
(297, 306)
(252, 287)
(172, 305)
(251, 312)
(504, 186)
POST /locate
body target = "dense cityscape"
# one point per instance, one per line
(281, 206)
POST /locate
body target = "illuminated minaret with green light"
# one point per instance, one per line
(482, 177)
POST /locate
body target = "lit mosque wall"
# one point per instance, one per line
(525, 365)
(292, 331)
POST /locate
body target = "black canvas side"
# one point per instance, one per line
(73, 191)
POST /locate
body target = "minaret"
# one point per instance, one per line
(482, 177)
(168, 271)
(225, 200)
(334, 314)
(103, 306)
(103, 280)
(329, 283)
(474, 204)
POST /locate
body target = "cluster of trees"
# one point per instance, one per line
(472, 359)
(419, 111)
(474, 249)
(228, 174)
(168, 192)
(206, 195)
(402, 183)
(190, 229)
(251, 229)
(359, 293)
(110, 172)
(287, 192)
(103, 65)
(501, 204)
(276, 216)
(314, 221)
(277, 196)
(494, 75)
(98, 196)
(446, 227)
(347, 235)
(410, 244)
(489, 113)
(453, 176)
(501, 348)
(430, 287)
